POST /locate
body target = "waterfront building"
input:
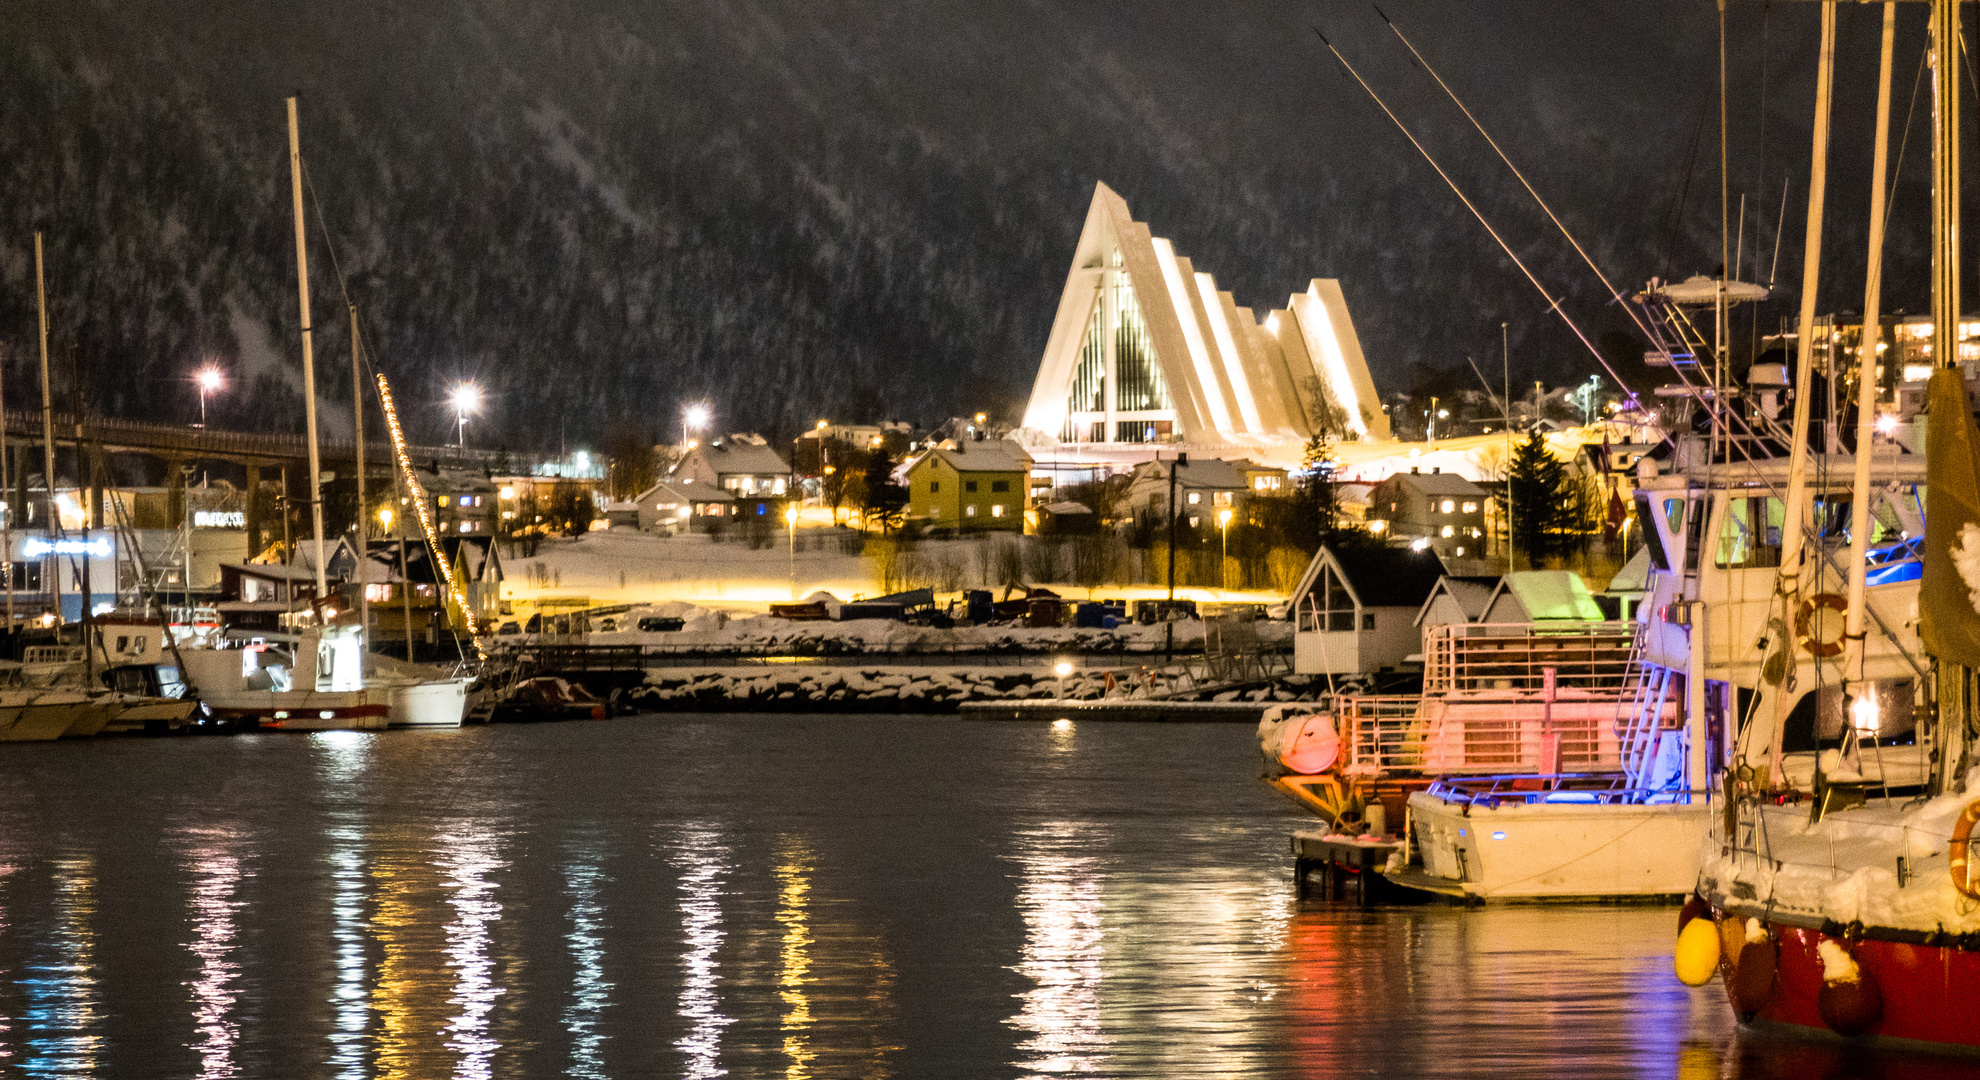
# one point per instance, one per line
(1146, 349)
(1355, 610)
(1439, 510)
(1203, 488)
(757, 477)
(970, 487)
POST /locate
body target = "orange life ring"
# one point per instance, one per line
(1962, 831)
(1804, 628)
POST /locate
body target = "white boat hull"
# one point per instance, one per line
(1559, 851)
(438, 704)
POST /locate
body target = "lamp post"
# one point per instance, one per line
(790, 526)
(693, 419)
(1224, 526)
(466, 399)
(210, 381)
(1062, 669)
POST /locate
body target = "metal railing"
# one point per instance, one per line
(1591, 657)
(1587, 789)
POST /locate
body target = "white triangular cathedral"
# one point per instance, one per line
(1146, 350)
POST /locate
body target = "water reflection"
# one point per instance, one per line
(1059, 897)
(61, 981)
(216, 879)
(703, 862)
(794, 955)
(467, 858)
(347, 1035)
(590, 992)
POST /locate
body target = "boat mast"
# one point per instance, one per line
(54, 576)
(1954, 680)
(6, 512)
(1787, 586)
(308, 357)
(1866, 362)
(357, 418)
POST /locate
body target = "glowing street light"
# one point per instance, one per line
(1062, 669)
(466, 400)
(210, 380)
(1224, 525)
(693, 418)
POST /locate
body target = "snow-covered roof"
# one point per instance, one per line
(274, 571)
(1437, 483)
(732, 457)
(1377, 577)
(1634, 577)
(1472, 595)
(1068, 507)
(1547, 594)
(1198, 473)
(306, 552)
(1000, 455)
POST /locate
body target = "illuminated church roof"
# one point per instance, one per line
(1146, 349)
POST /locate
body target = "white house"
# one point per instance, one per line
(1355, 610)
(1456, 600)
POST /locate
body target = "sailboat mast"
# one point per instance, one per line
(308, 357)
(1945, 181)
(1811, 264)
(357, 418)
(54, 576)
(1866, 362)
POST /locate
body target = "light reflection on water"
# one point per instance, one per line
(216, 872)
(61, 982)
(702, 861)
(1059, 897)
(864, 897)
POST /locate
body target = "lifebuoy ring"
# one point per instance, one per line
(1805, 629)
(1962, 831)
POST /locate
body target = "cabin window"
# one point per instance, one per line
(1751, 535)
(1327, 606)
(1653, 537)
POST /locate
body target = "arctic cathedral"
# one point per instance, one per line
(1146, 349)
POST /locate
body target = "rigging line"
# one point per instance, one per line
(1674, 221)
(1779, 228)
(1904, 140)
(1552, 303)
(1614, 294)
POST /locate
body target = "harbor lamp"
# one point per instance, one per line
(1224, 526)
(210, 381)
(1062, 669)
(466, 400)
(790, 526)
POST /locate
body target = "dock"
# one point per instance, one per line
(1129, 710)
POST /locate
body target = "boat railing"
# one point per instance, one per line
(1495, 733)
(1583, 789)
(1585, 656)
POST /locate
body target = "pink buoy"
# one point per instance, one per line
(1313, 747)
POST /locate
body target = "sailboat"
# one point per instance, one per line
(1838, 892)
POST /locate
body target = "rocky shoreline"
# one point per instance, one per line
(796, 688)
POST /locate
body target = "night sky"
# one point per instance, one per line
(601, 210)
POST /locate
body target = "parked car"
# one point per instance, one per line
(661, 623)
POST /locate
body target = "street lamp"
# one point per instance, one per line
(466, 399)
(1062, 669)
(210, 381)
(790, 526)
(693, 418)
(1224, 526)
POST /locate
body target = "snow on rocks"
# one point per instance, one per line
(847, 688)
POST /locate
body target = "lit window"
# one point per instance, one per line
(443, 500)
(1222, 498)
(1449, 505)
(996, 509)
(970, 510)
(777, 486)
(1194, 521)
(377, 593)
(934, 511)
(1471, 508)
(1460, 551)
(1448, 531)
(1194, 498)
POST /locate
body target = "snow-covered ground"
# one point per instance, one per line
(799, 688)
(622, 566)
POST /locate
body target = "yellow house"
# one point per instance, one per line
(978, 486)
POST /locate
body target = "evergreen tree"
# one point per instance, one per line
(884, 499)
(1542, 509)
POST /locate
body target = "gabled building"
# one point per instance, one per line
(757, 477)
(666, 508)
(413, 594)
(1440, 510)
(1457, 600)
(1355, 610)
(1204, 486)
(972, 487)
(1146, 349)
(1542, 596)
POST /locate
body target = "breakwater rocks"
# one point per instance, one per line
(796, 688)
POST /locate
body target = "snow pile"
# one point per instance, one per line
(848, 689)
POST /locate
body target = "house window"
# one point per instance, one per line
(1195, 497)
(1327, 606)
(1222, 498)
(443, 500)
(1449, 505)
(378, 593)
(934, 487)
(1000, 486)
(969, 487)
(1194, 521)
(970, 510)
(1368, 620)
(1448, 532)
(777, 486)
(1471, 508)
(934, 511)
(996, 509)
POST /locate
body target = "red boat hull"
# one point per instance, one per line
(1929, 994)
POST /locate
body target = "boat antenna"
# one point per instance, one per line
(1614, 293)
(1553, 303)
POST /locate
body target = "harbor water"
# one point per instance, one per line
(758, 896)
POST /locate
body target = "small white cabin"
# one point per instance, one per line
(1456, 600)
(1355, 610)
